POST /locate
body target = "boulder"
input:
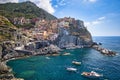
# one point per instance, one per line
(54, 48)
(3, 68)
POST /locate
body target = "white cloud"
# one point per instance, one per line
(62, 2)
(101, 18)
(6, 1)
(95, 22)
(44, 4)
(92, 1)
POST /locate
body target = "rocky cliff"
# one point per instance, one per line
(75, 35)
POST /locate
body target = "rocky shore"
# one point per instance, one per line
(5, 72)
(103, 50)
(7, 54)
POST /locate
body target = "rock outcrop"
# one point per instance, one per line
(103, 50)
(74, 35)
(5, 72)
(54, 48)
(3, 68)
(50, 49)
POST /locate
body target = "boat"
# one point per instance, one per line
(91, 74)
(71, 69)
(47, 58)
(66, 54)
(55, 54)
(76, 62)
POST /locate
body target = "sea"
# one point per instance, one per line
(54, 67)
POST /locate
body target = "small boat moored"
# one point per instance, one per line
(47, 57)
(76, 62)
(91, 74)
(71, 69)
(55, 54)
(65, 54)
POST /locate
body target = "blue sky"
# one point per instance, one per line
(102, 17)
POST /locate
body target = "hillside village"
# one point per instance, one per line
(43, 29)
(46, 30)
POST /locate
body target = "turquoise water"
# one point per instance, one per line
(54, 67)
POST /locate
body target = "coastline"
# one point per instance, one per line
(47, 53)
(10, 69)
(10, 75)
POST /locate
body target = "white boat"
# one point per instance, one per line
(66, 54)
(71, 69)
(55, 54)
(91, 74)
(76, 62)
(47, 58)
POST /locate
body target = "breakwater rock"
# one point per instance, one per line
(104, 50)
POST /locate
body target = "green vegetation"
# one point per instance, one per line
(25, 9)
(26, 26)
(11, 15)
(28, 10)
(7, 29)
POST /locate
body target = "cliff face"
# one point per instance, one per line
(75, 35)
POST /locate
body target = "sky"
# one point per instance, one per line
(101, 17)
